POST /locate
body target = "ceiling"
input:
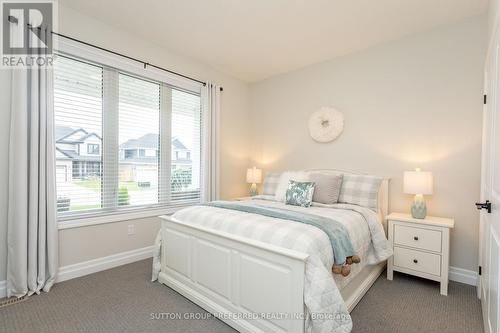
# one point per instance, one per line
(255, 39)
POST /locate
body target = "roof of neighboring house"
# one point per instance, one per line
(64, 132)
(73, 155)
(150, 140)
(85, 137)
(178, 144)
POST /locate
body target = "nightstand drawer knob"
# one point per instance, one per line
(415, 238)
(415, 261)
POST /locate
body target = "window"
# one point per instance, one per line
(186, 134)
(93, 149)
(130, 153)
(116, 138)
(139, 129)
(78, 118)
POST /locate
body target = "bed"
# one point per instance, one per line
(263, 274)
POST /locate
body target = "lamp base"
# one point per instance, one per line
(418, 208)
(253, 190)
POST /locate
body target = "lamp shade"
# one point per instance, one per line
(417, 182)
(254, 175)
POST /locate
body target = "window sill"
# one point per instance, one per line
(82, 221)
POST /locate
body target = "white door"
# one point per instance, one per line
(489, 254)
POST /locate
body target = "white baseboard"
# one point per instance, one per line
(3, 288)
(100, 264)
(463, 276)
(95, 265)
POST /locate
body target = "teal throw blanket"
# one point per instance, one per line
(337, 233)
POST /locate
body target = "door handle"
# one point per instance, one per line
(484, 205)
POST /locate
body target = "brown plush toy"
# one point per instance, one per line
(341, 269)
(345, 269)
(337, 269)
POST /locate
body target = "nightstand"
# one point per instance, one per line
(421, 247)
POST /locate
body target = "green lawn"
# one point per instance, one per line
(95, 185)
(83, 207)
(132, 186)
(92, 184)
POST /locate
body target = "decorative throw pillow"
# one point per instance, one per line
(299, 193)
(360, 190)
(326, 188)
(299, 176)
(271, 182)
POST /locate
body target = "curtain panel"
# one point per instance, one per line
(210, 95)
(32, 242)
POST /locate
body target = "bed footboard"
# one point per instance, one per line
(250, 285)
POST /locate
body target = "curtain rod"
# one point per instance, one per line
(14, 20)
(131, 58)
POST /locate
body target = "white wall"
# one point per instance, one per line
(493, 11)
(92, 242)
(415, 102)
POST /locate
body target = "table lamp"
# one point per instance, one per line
(254, 177)
(418, 183)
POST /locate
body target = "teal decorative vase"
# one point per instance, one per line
(419, 210)
(253, 190)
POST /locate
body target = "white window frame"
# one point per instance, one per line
(109, 212)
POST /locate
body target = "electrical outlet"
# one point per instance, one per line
(131, 229)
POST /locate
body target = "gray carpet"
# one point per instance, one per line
(410, 304)
(122, 300)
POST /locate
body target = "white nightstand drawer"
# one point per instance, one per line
(418, 261)
(418, 238)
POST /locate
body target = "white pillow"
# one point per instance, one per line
(299, 176)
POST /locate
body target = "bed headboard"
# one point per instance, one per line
(383, 194)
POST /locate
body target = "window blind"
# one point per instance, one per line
(139, 141)
(124, 142)
(78, 135)
(186, 146)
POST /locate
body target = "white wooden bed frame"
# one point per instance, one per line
(238, 279)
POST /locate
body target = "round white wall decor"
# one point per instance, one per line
(326, 124)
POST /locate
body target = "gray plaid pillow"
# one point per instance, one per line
(271, 182)
(360, 190)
